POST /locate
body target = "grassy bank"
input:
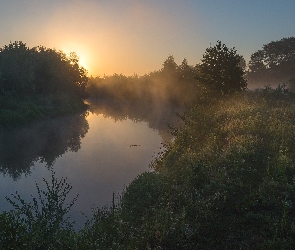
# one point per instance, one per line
(226, 182)
(19, 110)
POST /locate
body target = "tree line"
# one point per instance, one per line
(222, 70)
(227, 181)
(38, 81)
(41, 81)
(40, 70)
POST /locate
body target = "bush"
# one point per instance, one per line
(40, 224)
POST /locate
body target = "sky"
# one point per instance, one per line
(136, 36)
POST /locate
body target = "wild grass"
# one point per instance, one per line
(227, 181)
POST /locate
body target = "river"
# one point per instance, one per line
(99, 152)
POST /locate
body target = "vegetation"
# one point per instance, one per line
(38, 82)
(227, 181)
(274, 64)
(40, 224)
(171, 85)
(221, 70)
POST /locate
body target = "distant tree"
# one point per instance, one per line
(243, 63)
(221, 69)
(169, 66)
(274, 63)
(185, 71)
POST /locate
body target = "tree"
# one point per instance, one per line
(2, 82)
(221, 70)
(41, 71)
(169, 66)
(185, 71)
(17, 67)
(274, 63)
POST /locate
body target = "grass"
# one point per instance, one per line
(19, 110)
(226, 182)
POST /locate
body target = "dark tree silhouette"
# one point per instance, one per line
(169, 66)
(40, 70)
(39, 81)
(221, 70)
(274, 63)
(185, 71)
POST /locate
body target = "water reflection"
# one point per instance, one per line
(159, 115)
(43, 141)
(101, 163)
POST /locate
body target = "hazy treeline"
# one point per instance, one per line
(272, 65)
(171, 84)
(154, 98)
(38, 81)
(227, 181)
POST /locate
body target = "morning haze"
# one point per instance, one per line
(147, 124)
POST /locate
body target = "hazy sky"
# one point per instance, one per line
(136, 36)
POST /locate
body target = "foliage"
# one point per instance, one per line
(226, 182)
(40, 224)
(171, 84)
(274, 63)
(28, 76)
(221, 70)
(233, 171)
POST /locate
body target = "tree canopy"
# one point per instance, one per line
(36, 82)
(274, 63)
(221, 69)
(40, 70)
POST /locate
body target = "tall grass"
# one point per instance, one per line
(227, 181)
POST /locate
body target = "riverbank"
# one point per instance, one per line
(21, 110)
(226, 182)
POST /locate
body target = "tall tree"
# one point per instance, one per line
(274, 63)
(221, 69)
(169, 66)
(185, 71)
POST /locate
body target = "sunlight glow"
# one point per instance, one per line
(82, 53)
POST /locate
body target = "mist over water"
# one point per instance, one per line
(99, 151)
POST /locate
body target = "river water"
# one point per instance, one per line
(99, 152)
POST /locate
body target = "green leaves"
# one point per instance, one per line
(274, 63)
(40, 224)
(220, 70)
(37, 73)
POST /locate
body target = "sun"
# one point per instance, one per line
(83, 60)
(82, 53)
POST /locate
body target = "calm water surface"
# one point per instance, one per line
(99, 154)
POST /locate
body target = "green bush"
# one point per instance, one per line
(226, 182)
(40, 224)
